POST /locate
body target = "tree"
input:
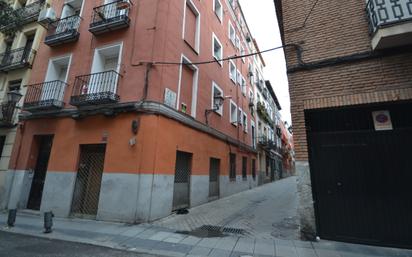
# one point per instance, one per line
(10, 20)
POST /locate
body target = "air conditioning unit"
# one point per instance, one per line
(46, 16)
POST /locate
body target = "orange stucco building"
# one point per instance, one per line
(122, 122)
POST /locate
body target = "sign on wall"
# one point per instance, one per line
(382, 120)
(170, 98)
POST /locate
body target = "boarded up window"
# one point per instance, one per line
(191, 26)
(186, 89)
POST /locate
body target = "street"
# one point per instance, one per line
(14, 245)
(265, 212)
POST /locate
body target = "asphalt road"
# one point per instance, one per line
(14, 245)
(265, 212)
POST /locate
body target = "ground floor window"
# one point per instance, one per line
(232, 168)
(244, 168)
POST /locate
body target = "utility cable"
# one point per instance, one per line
(219, 60)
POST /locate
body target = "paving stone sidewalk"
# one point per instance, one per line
(146, 238)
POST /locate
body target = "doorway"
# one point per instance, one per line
(181, 191)
(214, 171)
(36, 191)
(88, 180)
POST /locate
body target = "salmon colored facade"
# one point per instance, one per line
(128, 103)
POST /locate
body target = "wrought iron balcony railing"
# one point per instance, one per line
(63, 31)
(16, 59)
(7, 114)
(109, 17)
(384, 13)
(25, 15)
(45, 96)
(94, 89)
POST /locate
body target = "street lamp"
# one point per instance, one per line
(218, 99)
(14, 96)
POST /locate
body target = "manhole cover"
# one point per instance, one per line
(212, 231)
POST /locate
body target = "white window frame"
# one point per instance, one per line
(243, 85)
(216, 86)
(240, 116)
(233, 120)
(238, 77)
(215, 39)
(232, 36)
(242, 52)
(233, 77)
(220, 14)
(197, 34)
(186, 60)
(245, 123)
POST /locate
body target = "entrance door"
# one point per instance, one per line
(181, 191)
(88, 180)
(37, 185)
(214, 171)
(361, 176)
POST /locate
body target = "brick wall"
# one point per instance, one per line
(336, 29)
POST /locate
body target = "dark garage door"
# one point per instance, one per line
(362, 178)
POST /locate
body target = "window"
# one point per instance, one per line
(191, 26)
(245, 125)
(252, 124)
(2, 142)
(218, 9)
(239, 77)
(232, 168)
(242, 52)
(217, 49)
(244, 168)
(243, 85)
(216, 91)
(14, 85)
(233, 113)
(237, 42)
(232, 71)
(187, 89)
(240, 119)
(254, 169)
(232, 34)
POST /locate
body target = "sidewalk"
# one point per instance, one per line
(146, 238)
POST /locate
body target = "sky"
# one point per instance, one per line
(261, 18)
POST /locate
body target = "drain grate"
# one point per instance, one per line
(212, 228)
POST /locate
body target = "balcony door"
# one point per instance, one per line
(56, 78)
(111, 10)
(70, 8)
(106, 65)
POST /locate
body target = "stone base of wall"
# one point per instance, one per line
(306, 209)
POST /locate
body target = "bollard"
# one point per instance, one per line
(12, 217)
(48, 222)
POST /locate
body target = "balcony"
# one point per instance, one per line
(45, 96)
(95, 89)
(25, 15)
(63, 31)
(390, 23)
(7, 114)
(16, 59)
(109, 17)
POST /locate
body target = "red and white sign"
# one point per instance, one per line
(382, 120)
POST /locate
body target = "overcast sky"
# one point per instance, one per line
(261, 19)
